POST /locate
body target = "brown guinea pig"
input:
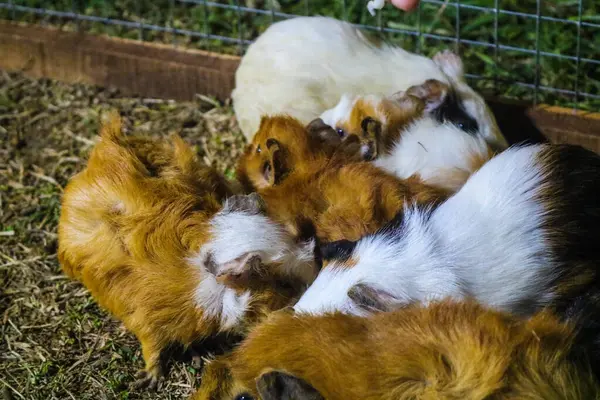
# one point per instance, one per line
(447, 350)
(452, 136)
(144, 228)
(303, 174)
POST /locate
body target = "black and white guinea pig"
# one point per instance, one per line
(519, 236)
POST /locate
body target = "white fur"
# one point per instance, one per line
(302, 66)
(375, 5)
(433, 151)
(486, 241)
(235, 234)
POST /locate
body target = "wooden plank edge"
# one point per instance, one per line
(163, 71)
(139, 68)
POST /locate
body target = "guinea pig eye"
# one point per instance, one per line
(258, 150)
(244, 396)
(340, 132)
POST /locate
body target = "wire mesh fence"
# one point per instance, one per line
(533, 50)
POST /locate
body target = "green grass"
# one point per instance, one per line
(506, 66)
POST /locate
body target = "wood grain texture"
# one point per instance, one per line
(137, 68)
(163, 71)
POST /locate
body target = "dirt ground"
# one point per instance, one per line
(56, 342)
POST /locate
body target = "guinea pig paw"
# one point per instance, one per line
(432, 93)
(146, 380)
(196, 359)
(450, 63)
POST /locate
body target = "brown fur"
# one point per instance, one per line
(444, 351)
(397, 114)
(344, 200)
(128, 223)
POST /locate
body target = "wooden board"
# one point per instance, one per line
(163, 71)
(138, 68)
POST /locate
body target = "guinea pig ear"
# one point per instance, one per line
(349, 151)
(371, 128)
(432, 92)
(277, 385)
(319, 130)
(372, 299)
(251, 203)
(111, 126)
(276, 169)
(184, 155)
(238, 273)
(450, 63)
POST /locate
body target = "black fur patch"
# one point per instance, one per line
(584, 313)
(452, 111)
(277, 385)
(372, 299)
(573, 228)
(340, 250)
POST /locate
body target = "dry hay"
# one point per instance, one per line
(56, 343)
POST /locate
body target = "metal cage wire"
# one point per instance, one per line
(576, 85)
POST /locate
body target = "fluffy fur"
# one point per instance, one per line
(302, 66)
(343, 200)
(454, 133)
(520, 235)
(444, 351)
(143, 226)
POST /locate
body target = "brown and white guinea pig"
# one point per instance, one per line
(453, 136)
(144, 228)
(303, 66)
(302, 176)
(447, 350)
(520, 235)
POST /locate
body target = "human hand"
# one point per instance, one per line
(406, 5)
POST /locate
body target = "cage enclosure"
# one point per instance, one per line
(537, 62)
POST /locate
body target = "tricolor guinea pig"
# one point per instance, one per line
(447, 350)
(303, 176)
(450, 137)
(160, 239)
(302, 66)
(519, 236)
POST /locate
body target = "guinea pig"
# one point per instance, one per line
(519, 236)
(160, 239)
(302, 66)
(447, 350)
(452, 136)
(301, 178)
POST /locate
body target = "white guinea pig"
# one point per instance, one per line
(303, 66)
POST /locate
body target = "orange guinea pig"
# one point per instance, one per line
(447, 350)
(309, 174)
(144, 228)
